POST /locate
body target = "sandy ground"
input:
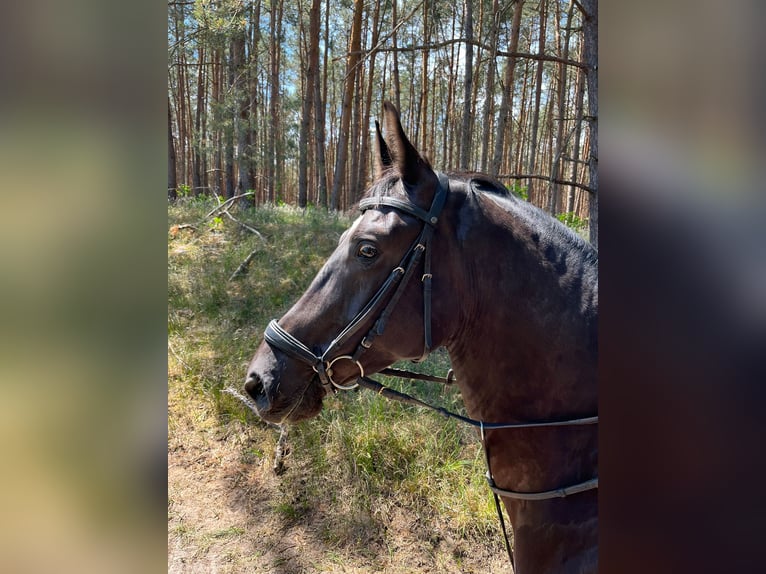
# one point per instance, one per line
(222, 518)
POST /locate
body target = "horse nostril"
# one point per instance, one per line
(254, 386)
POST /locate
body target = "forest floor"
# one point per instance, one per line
(367, 486)
(224, 516)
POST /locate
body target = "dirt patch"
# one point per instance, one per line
(229, 513)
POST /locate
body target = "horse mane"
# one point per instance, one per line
(482, 183)
(475, 182)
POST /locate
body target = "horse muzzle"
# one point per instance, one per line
(254, 387)
(282, 390)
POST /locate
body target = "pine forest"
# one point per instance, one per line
(277, 99)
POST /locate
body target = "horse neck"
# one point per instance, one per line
(524, 337)
(524, 350)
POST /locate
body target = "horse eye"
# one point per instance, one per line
(367, 250)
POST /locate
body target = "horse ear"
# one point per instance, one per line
(383, 156)
(412, 167)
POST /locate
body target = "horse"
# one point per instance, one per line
(508, 290)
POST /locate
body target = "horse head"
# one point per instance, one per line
(361, 313)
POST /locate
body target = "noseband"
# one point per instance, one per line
(396, 283)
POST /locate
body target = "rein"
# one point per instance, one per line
(394, 287)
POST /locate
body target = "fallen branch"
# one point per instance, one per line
(243, 267)
(227, 203)
(245, 225)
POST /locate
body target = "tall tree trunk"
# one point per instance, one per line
(310, 72)
(465, 132)
(363, 168)
(256, 179)
(577, 136)
(489, 95)
(229, 137)
(590, 57)
(243, 111)
(272, 145)
(532, 164)
(198, 135)
(545, 152)
(505, 124)
(449, 139)
(172, 176)
(320, 98)
(394, 43)
(423, 104)
(217, 88)
(522, 135)
(181, 88)
(345, 120)
(357, 116)
(556, 170)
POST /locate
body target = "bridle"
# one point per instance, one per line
(396, 284)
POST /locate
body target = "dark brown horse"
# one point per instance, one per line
(509, 291)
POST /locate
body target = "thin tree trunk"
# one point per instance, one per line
(310, 72)
(229, 137)
(546, 137)
(423, 113)
(345, 121)
(577, 136)
(273, 171)
(217, 72)
(489, 95)
(532, 164)
(356, 120)
(363, 168)
(243, 111)
(279, 155)
(590, 56)
(196, 149)
(465, 132)
(523, 119)
(254, 119)
(506, 103)
(553, 206)
(181, 96)
(449, 140)
(320, 101)
(172, 176)
(394, 43)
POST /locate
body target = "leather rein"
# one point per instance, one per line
(394, 286)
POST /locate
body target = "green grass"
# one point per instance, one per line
(362, 454)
